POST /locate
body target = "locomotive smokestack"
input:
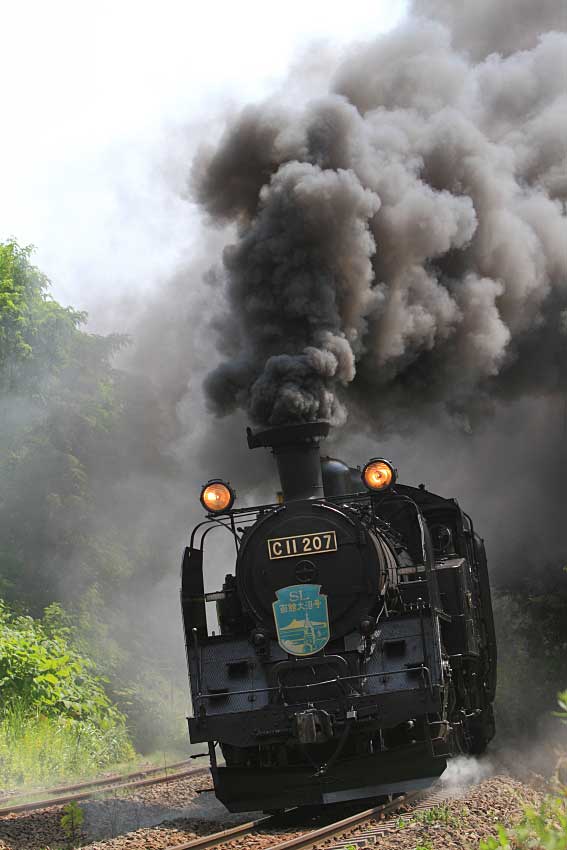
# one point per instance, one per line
(296, 448)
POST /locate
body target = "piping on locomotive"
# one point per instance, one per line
(356, 651)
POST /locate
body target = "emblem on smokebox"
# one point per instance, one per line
(302, 619)
(306, 572)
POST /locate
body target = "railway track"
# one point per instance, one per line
(436, 817)
(84, 790)
(267, 832)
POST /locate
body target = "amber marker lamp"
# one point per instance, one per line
(217, 496)
(378, 475)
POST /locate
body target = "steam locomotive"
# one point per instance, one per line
(356, 651)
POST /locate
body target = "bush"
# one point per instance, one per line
(545, 829)
(55, 717)
(41, 672)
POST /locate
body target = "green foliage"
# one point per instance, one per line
(41, 671)
(545, 828)
(55, 717)
(438, 814)
(72, 821)
(33, 328)
(37, 750)
(41, 342)
(74, 432)
(58, 409)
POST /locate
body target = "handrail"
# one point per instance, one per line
(226, 694)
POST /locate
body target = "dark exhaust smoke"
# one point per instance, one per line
(401, 240)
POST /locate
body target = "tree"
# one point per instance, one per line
(80, 452)
(58, 405)
(35, 331)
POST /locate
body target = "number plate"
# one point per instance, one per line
(302, 544)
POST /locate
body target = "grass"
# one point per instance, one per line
(38, 750)
(437, 814)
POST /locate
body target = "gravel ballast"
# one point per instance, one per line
(461, 822)
(113, 819)
(125, 822)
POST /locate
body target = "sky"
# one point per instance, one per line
(103, 105)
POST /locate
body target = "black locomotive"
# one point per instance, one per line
(356, 650)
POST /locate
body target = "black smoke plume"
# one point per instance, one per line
(400, 244)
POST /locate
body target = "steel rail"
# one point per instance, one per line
(100, 788)
(313, 838)
(111, 777)
(216, 838)
(309, 839)
(340, 830)
(369, 838)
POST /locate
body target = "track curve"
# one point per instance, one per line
(99, 786)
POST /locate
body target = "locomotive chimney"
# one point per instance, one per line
(296, 448)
